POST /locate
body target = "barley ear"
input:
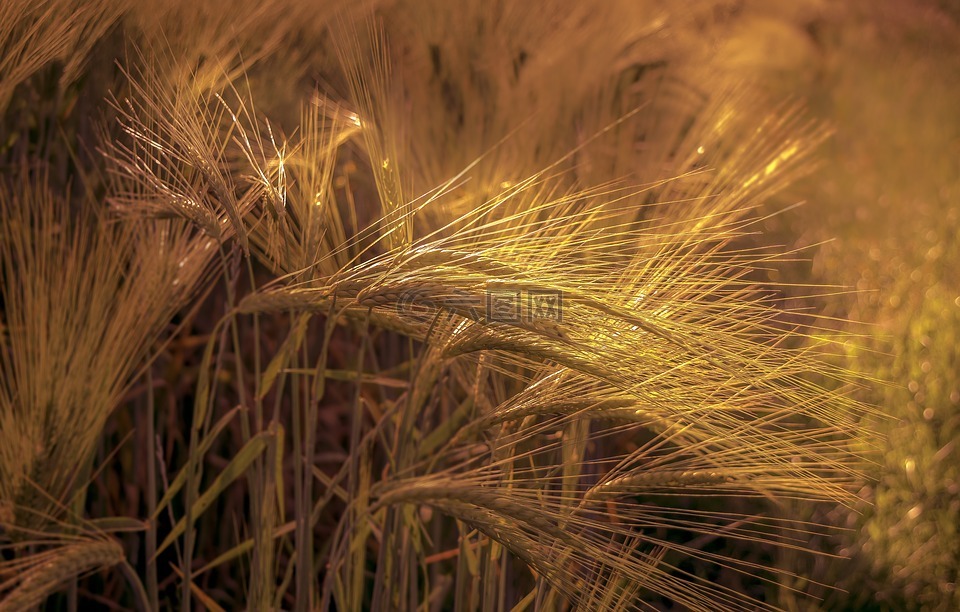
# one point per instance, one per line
(56, 568)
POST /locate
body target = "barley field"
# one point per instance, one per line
(493, 305)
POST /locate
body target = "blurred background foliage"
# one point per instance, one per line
(887, 198)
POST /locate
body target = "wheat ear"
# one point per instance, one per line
(59, 566)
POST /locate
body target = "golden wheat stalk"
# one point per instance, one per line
(666, 323)
(42, 574)
(84, 299)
